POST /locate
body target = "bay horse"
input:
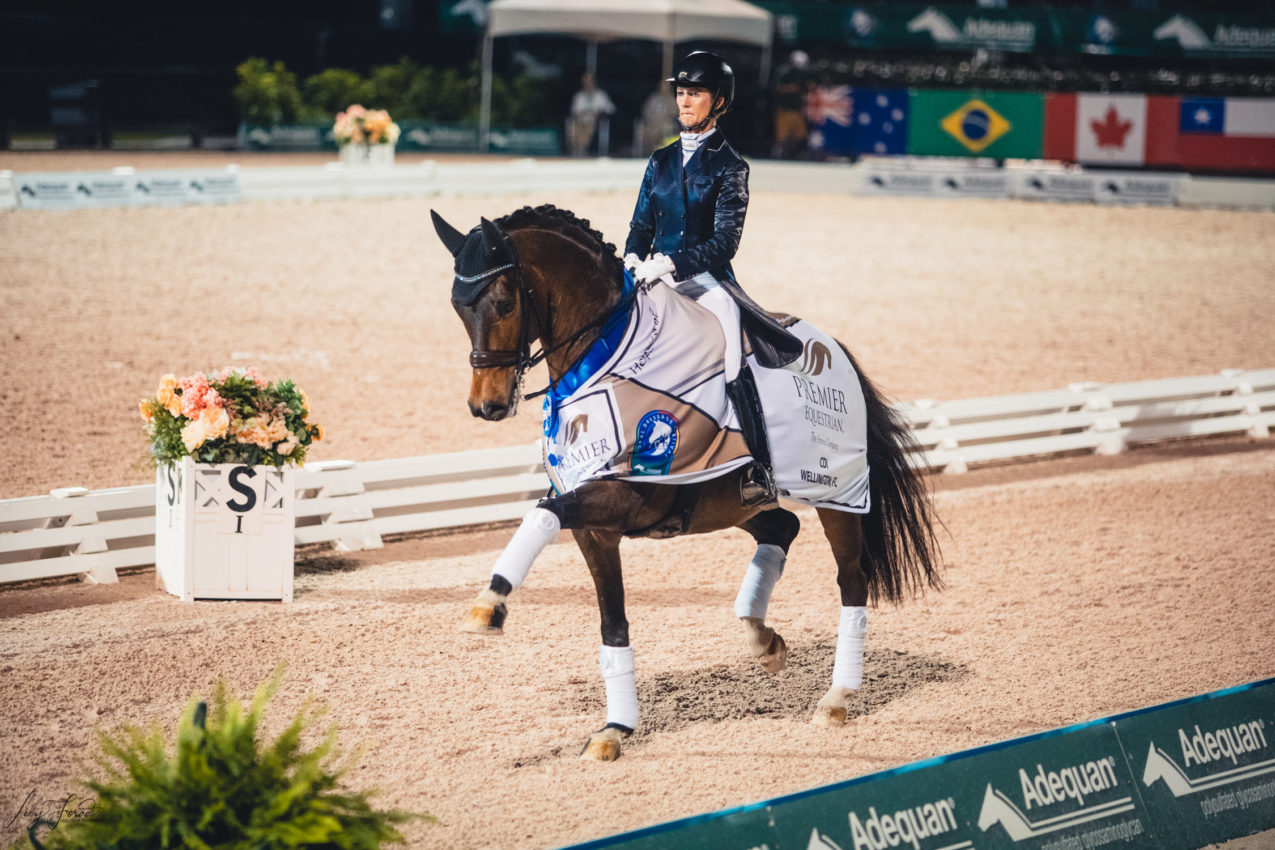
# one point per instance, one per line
(543, 274)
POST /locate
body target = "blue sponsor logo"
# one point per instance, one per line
(655, 445)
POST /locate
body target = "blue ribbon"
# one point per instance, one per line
(592, 360)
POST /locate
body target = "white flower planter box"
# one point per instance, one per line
(358, 156)
(224, 531)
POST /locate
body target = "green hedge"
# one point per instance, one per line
(268, 94)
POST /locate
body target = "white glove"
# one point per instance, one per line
(632, 261)
(654, 269)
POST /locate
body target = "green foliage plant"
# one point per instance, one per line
(332, 90)
(266, 93)
(224, 789)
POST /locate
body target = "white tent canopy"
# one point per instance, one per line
(666, 21)
(659, 20)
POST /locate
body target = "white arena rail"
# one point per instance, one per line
(354, 505)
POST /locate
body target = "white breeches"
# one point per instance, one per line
(704, 289)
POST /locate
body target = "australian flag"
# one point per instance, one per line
(880, 121)
(828, 112)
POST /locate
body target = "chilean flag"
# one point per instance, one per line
(1192, 133)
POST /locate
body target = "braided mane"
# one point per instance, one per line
(566, 223)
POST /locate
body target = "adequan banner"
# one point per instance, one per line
(1177, 776)
(1206, 768)
(919, 27)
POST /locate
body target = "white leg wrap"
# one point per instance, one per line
(718, 300)
(754, 594)
(537, 531)
(847, 670)
(617, 674)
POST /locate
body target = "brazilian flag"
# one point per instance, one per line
(973, 123)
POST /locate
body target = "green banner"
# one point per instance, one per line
(462, 17)
(971, 123)
(961, 28)
(1177, 777)
(1206, 767)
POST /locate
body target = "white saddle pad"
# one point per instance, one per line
(656, 410)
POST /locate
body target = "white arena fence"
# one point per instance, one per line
(75, 531)
(894, 176)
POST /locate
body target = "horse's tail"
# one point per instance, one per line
(900, 555)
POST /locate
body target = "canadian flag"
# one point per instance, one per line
(1197, 133)
(1098, 129)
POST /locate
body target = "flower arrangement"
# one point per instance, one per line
(234, 416)
(360, 126)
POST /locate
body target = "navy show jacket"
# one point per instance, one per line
(696, 222)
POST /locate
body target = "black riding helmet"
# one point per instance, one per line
(705, 70)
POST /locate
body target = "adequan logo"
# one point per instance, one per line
(1074, 784)
(1200, 749)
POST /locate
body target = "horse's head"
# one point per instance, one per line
(558, 285)
(486, 294)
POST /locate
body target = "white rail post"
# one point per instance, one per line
(80, 515)
(1252, 409)
(340, 483)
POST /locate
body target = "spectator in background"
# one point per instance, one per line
(659, 122)
(791, 82)
(587, 107)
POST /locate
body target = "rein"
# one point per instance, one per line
(521, 357)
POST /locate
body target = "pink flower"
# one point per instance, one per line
(193, 390)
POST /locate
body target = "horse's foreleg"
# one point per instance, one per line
(601, 551)
(774, 532)
(539, 528)
(844, 532)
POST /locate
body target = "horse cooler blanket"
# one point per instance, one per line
(648, 403)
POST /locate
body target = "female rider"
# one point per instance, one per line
(689, 218)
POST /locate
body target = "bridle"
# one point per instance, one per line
(521, 358)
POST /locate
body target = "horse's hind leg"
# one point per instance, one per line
(774, 531)
(845, 534)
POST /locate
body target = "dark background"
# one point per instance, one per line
(169, 67)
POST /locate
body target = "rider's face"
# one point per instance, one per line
(693, 105)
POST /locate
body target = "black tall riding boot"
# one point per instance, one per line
(758, 484)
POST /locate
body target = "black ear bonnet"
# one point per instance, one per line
(481, 255)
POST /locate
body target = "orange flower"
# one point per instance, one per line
(212, 424)
(147, 413)
(166, 397)
(254, 431)
(316, 432)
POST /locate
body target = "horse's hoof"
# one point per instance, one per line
(833, 708)
(775, 656)
(829, 718)
(487, 617)
(603, 745)
(765, 644)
